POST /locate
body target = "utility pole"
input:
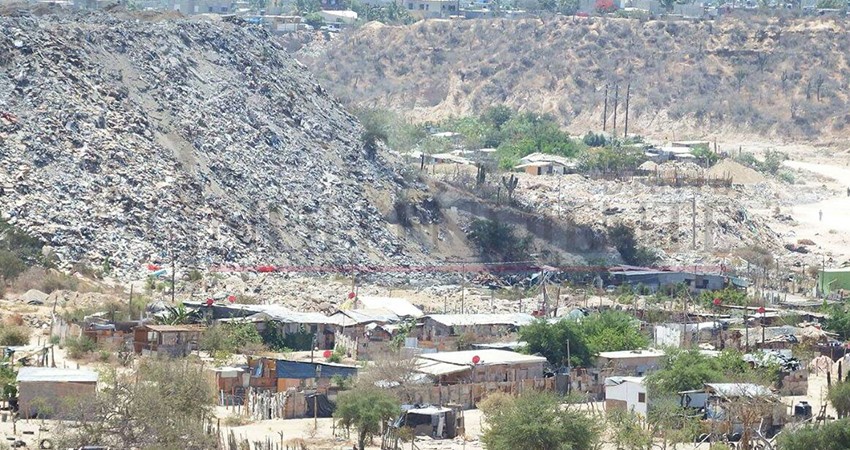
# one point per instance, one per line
(694, 222)
(616, 100)
(462, 285)
(626, 127)
(130, 303)
(605, 110)
(173, 263)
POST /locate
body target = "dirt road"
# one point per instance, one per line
(826, 222)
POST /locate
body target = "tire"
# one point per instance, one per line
(45, 444)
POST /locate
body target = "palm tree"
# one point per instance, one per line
(177, 315)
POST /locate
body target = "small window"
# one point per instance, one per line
(641, 397)
(410, 6)
(421, 6)
(224, 9)
(210, 9)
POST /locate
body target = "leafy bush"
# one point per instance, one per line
(277, 340)
(606, 159)
(498, 241)
(389, 127)
(623, 238)
(337, 355)
(594, 140)
(705, 154)
(365, 410)
(771, 164)
(230, 338)
(537, 421)
(14, 336)
(728, 296)
(11, 265)
(78, 347)
(833, 435)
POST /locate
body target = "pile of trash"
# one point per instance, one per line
(126, 141)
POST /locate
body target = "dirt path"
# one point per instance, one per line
(825, 222)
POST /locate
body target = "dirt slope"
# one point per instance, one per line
(772, 77)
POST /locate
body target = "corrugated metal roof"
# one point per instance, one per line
(281, 314)
(627, 354)
(616, 381)
(488, 357)
(34, 374)
(435, 368)
(399, 306)
(379, 315)
(739, 390)
(174, 328)
(451, 320)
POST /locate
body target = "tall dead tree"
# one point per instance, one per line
(616, 100)
(605, 110)
(626, 126)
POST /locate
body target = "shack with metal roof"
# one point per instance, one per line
(53, 393)
(439, 326)
(483, 365)
(168, 340)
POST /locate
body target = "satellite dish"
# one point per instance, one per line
(761, 309)
(327, 354)
(476, 359)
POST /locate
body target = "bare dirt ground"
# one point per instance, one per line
(826, 221)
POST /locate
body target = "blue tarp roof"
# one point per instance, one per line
(304, 370)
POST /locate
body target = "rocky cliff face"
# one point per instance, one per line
(121, 137)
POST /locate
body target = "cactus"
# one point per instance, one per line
(480, 177)
(510, 185)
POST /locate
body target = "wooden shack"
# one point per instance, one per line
(171, 340)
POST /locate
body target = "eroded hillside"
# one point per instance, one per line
(770, 77)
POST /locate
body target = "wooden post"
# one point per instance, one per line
(616, 100)
(605, 110)
(694, 222)
(626, 126)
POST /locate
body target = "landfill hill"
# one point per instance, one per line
(126, 138)
(754, 76)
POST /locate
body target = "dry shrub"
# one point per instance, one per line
(45, 281)
(13, 320)
(14, 335)
(494, 402)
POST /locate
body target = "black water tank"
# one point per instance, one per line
(803, 410)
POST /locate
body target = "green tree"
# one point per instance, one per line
(705, 154)
(536, 421)
(314, 19)
(683, 370)
(623, 238)
(611, 331)
(365, 409)
(839, 396)
(498, 241)
(550, 340)
(838, 321)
